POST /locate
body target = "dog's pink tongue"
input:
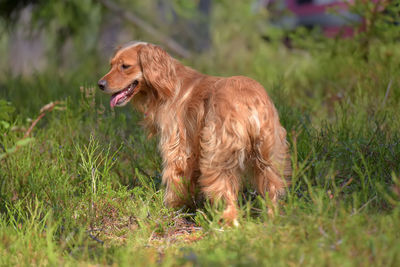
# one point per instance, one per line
(115, 98)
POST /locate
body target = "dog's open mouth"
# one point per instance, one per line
(122, 97)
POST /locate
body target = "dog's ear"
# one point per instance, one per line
(158, 69)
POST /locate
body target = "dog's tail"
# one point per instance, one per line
(272, 161)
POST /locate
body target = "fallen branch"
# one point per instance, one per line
(26, 139)
(170, 43)
(43, 110)
(95, 238)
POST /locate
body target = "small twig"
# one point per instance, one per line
(95, 238)
(28, 132)
(373, 136)
(184, 215)
(363, 206)
(151, 236)
(43, 111)
(256, 209)
(346, 183)
(387, 93)
(322, 231)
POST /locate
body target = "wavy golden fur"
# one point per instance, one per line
(211, 128)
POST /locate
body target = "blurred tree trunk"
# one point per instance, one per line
(26, 47)
(192, 31)
(204, 25)
(146, 27)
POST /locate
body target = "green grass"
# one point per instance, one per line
(86, 188)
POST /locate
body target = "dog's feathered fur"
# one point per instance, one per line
(211, 128)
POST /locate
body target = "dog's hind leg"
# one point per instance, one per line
(222, 157)
(221, 185)
(272, 164)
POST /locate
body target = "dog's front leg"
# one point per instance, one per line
(176, 174)
(177, 186)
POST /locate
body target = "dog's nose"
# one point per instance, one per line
(102, 84)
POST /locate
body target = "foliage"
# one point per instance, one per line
(6, 111)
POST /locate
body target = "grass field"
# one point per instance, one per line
(84, 187)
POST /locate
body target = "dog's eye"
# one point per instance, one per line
(125, 66)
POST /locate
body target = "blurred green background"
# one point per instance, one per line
(72, 41)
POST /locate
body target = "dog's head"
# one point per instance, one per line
(138, 67)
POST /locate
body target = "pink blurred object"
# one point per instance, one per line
(315, 13)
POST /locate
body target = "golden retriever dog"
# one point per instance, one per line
(211, 128)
